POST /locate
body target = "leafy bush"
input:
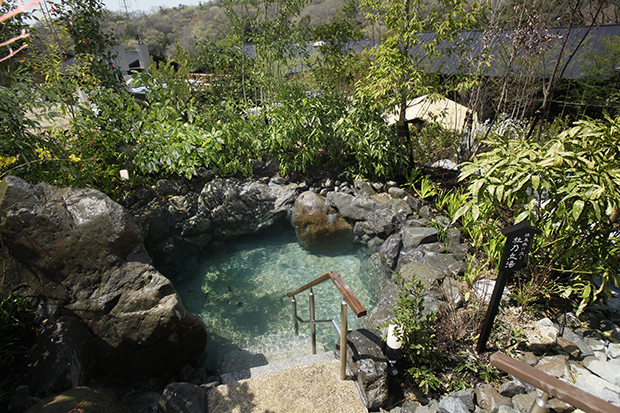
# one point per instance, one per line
(17, 143)
(181, 148)
(438, 348)
(451, 201)
(372, 146)
(102, 134)
(25, 153)
(569, 187)
(13, 312)
(415, 331)
(301, 130)
(182, 129)
(432, 142)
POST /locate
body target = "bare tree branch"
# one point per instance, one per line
(13, 53)
(23, 35)
(19, 9)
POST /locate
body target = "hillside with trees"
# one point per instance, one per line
(191, 25)
(208, 21)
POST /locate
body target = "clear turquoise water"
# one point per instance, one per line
(239, 291)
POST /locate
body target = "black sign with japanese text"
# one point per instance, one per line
(518, 240)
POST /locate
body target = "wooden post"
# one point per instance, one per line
(552, 386)
(518, 240)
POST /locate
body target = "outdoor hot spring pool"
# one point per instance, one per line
(239, 291)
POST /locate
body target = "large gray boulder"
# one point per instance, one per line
(366, 359)
(319, 228)
(78, 247)
(429, 276)
(237, 207)
(353, 207)
(363, 188)
(382, 223)
(489, 399)
(452, 405)
(60, 359)
(390, 250)
(414, 236)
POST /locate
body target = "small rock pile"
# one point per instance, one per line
(588, 358)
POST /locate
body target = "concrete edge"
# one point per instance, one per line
(226, 378)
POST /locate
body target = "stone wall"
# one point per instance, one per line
(80, 257)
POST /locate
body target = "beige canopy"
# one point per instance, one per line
(448, 113)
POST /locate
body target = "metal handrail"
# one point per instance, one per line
(552, 386)
(349, 299)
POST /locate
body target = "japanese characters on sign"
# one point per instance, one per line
(518, 240)
(517, 248)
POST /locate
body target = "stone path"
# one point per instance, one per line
(311, 388)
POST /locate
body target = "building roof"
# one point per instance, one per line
(489, 53)
(450, 114)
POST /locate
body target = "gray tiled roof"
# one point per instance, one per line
(582, 41)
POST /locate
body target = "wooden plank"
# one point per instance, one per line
(311, 284)
(347, 294)
(343, 288)
(553, 386)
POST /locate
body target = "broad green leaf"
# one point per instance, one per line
(577, 209)
(476, 187)
(535, 182)
(545, 163)
(610, 209)
(499, 195)
(491, 190)
(567, 292)
(586, 291)
(522, 216)
(460, 212)
(597, 210)
(596, 194)
(475, 212)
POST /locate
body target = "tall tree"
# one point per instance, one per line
(336, 66)
(13, 28)
(277, 34)
(421, 36)
(531, 65)
(73, 27)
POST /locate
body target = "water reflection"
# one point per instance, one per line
(239, 291)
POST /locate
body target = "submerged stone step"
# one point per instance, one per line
(268, 349)
(226, 378)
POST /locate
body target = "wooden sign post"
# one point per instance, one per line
(518, 240)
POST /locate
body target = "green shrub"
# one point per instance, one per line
(13, 311)
(415, 332)
(302, 130)
(372, 147)
(569, 187)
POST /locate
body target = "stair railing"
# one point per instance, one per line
(348, 299)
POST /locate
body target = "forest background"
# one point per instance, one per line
(209, 22)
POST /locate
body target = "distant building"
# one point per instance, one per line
(489, 53)
(133, 62)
